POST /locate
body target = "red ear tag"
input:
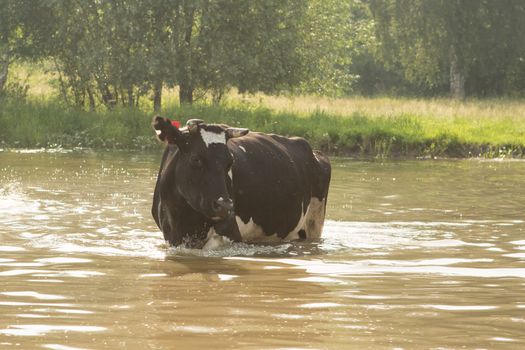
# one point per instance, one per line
(175, 123)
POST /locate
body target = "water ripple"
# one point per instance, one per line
(367, 267)
(42, 329)
(422, 260)
(34, 295)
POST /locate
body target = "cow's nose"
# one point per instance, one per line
(223, 207)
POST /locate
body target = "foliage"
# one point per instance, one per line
(250, 45)
(109, 53)
(23, 27)
(116, 52)
(462, 43)
(327, 49)
(398, 128)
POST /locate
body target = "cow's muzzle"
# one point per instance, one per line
(222, 209)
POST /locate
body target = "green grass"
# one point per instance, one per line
(45, 123)
(357, 126)
(375, 132)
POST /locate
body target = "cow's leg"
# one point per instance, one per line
(315, 218)
(229, 228)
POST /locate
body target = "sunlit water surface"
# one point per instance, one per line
(415, 255)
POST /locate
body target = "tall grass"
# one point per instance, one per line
(436, 108)
(381, 127)
(434, 127)
(373, 127)
(47, 123)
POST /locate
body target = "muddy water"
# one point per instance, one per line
(415, 255)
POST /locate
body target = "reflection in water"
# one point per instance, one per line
(414, 255)
(41, 329)
(34, 295)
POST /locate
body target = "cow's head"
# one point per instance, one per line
(198, 172)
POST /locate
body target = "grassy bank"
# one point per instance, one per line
(357, 127)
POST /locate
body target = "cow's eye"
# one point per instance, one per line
(195, 161)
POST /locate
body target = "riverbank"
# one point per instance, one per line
(364, 128)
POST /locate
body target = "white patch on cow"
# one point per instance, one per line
(243, 149)
(158, 132)
(251, 232)
(314, 218)
(311, 222)
(214, 241)
(230, 174)
(210, 137)
(294, 234)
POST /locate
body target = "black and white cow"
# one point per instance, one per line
(216, 181)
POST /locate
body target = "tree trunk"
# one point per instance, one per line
(63, 88)
(457, 75)
(107, 97)
(91, 100)
(131, 101)
(216, 96)
(185, 78)
(79, 95)
(122, 95)
(118, 95)
(185, 93)
(157, 97)
(4, 69)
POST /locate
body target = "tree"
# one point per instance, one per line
(250, 45)
(10, 22)
(112, 51)
(327, 47)
(23, 33)
(430, 37)
(117, 51)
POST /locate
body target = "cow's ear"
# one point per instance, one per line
(165, 130)
(193, 125)
(236, 132)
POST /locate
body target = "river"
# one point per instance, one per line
(414, 255)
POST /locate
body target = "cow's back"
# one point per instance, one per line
(279, 187)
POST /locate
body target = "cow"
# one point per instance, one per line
(218, 182)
